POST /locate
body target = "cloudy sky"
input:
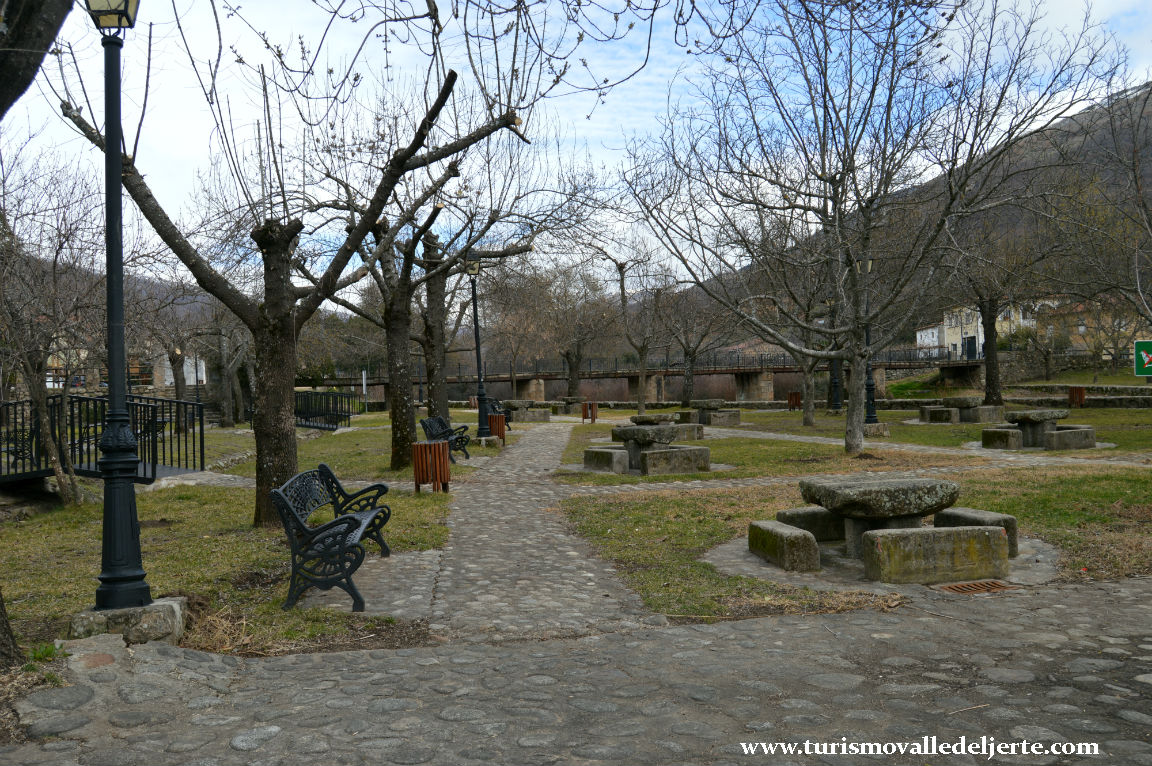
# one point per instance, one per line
(175, 140)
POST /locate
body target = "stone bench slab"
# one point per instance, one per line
(973, 517)
(935, 554)
(790, 548)
(1005, 437)
(1070, 437)
(821, 522)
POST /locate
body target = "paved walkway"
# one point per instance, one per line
(548, 658)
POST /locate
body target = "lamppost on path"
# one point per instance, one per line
(472, 269)
(122, 582)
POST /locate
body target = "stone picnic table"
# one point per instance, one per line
(645, 431)
(878, 503)
(1034, 423)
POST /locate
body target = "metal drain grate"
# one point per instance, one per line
(982, 586)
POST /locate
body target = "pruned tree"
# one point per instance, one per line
(307, 196)
(862, 132)
(639, 282)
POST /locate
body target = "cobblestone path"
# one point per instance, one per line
(601, 682)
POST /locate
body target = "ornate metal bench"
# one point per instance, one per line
(21, 445)
(437, 429)
(496, 408)
(327, 555)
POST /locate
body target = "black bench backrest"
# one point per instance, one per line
(435, 427)
(304, 493)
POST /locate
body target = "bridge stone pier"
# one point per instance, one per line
(754, 386)
(532, 388)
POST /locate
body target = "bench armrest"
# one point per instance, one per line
(367, 499)
(334, 536)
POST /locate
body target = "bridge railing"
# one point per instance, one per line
(710, 362)
(326, 410)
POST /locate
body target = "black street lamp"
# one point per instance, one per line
(122, 581)
(472, 269)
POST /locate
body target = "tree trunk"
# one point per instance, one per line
(435, 318)
(808, 387)
(26, 35)
(179, 384)
(689, 387)
(854, 417)
(227, 403)
(992, 391)
(10, 654)
(574, 357)
(642, 385)
(403, 412)
(274, 419)
(35, 370)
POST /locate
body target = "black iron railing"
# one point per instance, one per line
(169, 436)
(327, 410)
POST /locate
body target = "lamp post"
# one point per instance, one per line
(472, 269)
(122, 582)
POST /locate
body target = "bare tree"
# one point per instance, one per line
(1106, 215)
(49, 289)
(639, 283)
(696, 325)
(820, 125)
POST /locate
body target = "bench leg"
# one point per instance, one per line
(374, 531)
(296, 587)
(357, 600)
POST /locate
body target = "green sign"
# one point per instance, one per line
(1142, 357)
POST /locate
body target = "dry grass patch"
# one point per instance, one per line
(1098, 516)
(763, 457)
(655, 540)
(197, 542)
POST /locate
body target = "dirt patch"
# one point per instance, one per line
(146, 523)
(16, 684)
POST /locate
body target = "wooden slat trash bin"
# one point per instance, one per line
(589, 411)
(496, 426)
(430, 465)
(795, 400)
(1076, 396)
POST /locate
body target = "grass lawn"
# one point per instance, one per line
(759, 457)
(198, 542)
(1100, 518)
(363, 454)
(654, 541)
(1103, 377)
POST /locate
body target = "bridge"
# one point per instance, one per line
(754, 373)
